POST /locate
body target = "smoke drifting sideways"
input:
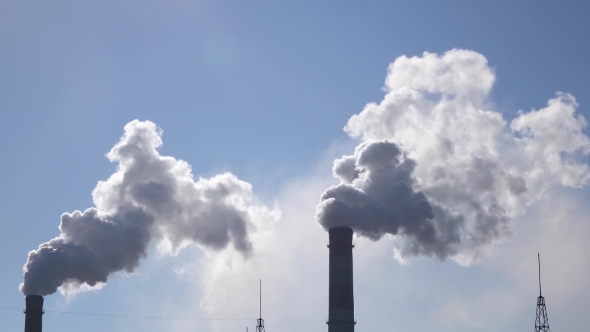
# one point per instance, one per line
(150, 198)
(442, 171)
(377, 197)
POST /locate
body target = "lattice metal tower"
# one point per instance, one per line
(542, 321)
(260, 321)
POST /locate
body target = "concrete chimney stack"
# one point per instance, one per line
(34, 313)
(341, 307)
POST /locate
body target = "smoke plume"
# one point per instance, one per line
(438, 166)
(149, 198)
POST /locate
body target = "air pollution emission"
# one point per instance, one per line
(439, 170)
(377, 197)
(150, 198)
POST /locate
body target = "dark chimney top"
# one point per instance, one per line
(341, 306)
(34, 313)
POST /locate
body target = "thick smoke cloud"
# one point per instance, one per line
(438, 166)
(377, 197)
(149, 198)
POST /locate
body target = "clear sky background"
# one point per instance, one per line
(263, 89)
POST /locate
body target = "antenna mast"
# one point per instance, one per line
(260, 321)
(539, 258)
(541, 321)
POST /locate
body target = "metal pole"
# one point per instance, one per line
(539, 257)
(260, 321)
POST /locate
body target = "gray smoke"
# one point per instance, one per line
(464, 171)
(377, 196)
(149, 198)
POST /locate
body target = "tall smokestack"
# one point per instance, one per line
(34, 313)
(341, 307)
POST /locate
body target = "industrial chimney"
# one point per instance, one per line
(34, 313)
(341, 307)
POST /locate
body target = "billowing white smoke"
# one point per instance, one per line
(439, 166)
(149, 198)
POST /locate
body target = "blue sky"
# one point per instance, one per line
(263, 89)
